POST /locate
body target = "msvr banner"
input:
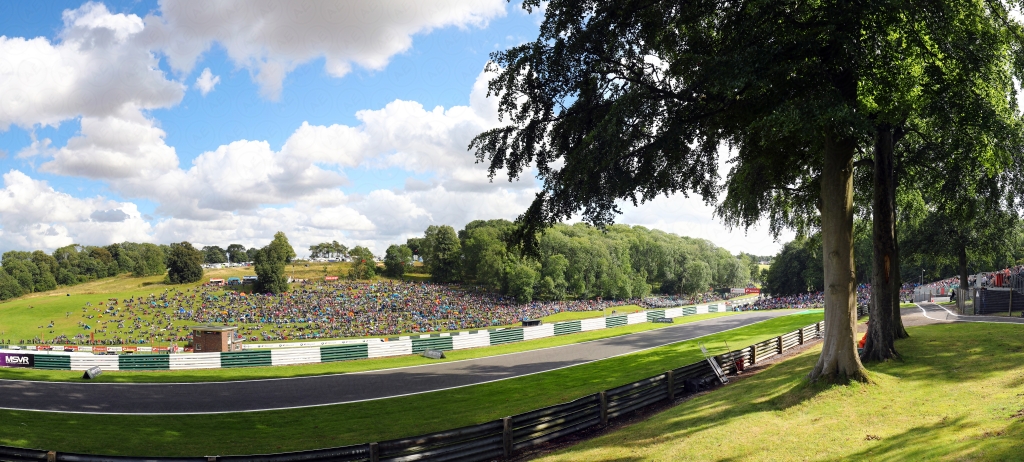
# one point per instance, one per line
(16, 360)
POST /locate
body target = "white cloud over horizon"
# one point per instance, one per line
(271, 38)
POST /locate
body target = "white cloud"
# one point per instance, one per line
(95, 69)
(270, 38)
(36, 147)
(124, 145)
(35, 216)
(206, 81)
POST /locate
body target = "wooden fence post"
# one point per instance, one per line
(801, 335)
(604, 408)
(374, 452)
(506, 436)
(671, 384)
(779, 341)
(51, 456)
(753, 354)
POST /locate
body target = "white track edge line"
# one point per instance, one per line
(963, 318)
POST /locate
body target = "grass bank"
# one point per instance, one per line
(955, 396)
(327, 426)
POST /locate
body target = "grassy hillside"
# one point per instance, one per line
(28, 316)
(955, 396)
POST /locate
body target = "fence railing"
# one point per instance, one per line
(504, 437)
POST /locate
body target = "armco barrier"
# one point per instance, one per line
(506, 336)
(290, 356)
(396, 348)
(195, 361)
(144, 362)
(615, 321)
(253, 358)
(536, 332)
(419, 345)
(502, 438)
(568, 327)
(343, 350)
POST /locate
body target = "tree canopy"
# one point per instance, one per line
(397, 259)
(269, 264)
(184, 263)
(624, 101)
(442, 253)
(363, 264)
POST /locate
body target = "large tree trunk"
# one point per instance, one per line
(880, 344)
(898, 330)
(838, 362)
(962, 257)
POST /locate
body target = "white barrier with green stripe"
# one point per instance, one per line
(344, 350)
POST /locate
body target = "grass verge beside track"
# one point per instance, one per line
(248, 373)
(955, 396)
(327, 426)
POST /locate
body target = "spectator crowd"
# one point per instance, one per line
(311, 311)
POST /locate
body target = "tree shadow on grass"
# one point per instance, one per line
(937, 355)
(957, 352)
(779, 387)
(948, 439)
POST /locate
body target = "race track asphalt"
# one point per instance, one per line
(270, 394)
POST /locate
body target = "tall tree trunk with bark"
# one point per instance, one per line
(881, 344)
(838, 362)
(962, 266)
(898, 330)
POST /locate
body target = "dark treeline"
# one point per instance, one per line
(575, 261)
(25, 272)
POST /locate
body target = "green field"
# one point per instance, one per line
(574, 315)
(327, 426)
(26, 316)
(247, 373)
(955, 396)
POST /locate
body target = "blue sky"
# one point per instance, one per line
(222, 122)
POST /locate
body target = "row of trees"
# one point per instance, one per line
(235, 253)
(578, 261)
(25, 272)
(328, 250)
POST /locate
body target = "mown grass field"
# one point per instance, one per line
(957, 395)
(27, 316)
(249, 373)
(327, 426)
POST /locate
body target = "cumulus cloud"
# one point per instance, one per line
(272, 37)
(109, 216)
(95, 68)
(35, 216)
(206, 81)
(119, 146)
